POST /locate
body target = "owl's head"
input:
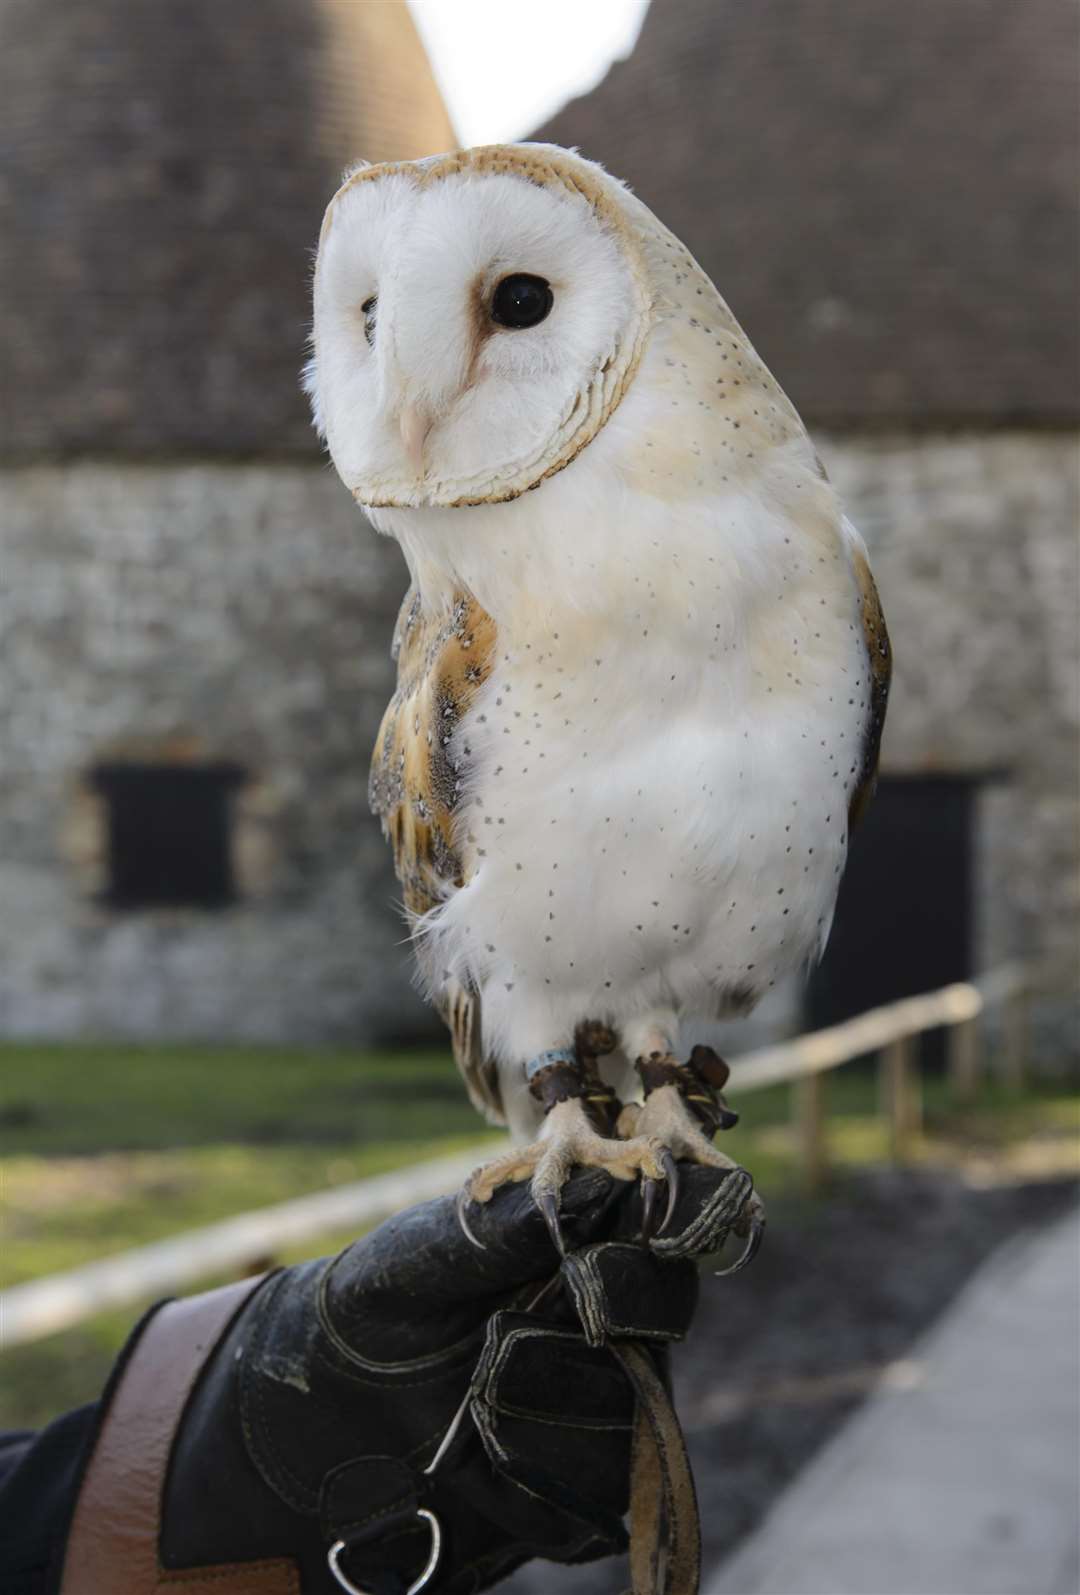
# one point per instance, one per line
(478, 318)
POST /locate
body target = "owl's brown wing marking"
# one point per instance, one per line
(461, 1010)
(443, 658)
(879, 650)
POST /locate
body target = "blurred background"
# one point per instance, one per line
(205, 998)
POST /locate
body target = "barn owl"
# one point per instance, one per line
(642, 666)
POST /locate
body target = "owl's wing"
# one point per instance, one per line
(879, 649)
(443, 658)
(461, 1010)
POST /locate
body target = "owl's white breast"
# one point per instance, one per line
(660, 763)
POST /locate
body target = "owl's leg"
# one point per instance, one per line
(580, 1113)
(684, 1109)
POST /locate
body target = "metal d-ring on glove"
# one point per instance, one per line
(427, 1572)
(334, 1554)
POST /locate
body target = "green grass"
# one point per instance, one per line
(72, 1099)
(105, 1148)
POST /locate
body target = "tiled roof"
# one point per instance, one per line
(883, 190)
(165, 169)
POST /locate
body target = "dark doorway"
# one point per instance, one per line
(904, 918)
(169, 834)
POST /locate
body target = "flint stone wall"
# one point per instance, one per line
(974, 544)
(219, 611)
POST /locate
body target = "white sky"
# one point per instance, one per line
(504, 66)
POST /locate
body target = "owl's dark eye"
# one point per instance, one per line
(367, 310)
(521, 300)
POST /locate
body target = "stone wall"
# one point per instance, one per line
(243, 612)
(176, 612)
(974, 543)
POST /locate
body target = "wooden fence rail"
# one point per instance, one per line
(891, 1032)
(41, 1307)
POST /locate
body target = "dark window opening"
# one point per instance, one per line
(904, 917)
(169, 834)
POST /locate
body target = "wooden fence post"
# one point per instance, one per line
(901, 1095)
(808, 1101)
(964, 1053)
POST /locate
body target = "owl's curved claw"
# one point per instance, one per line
(462, 1209)
(649, 1188)
(671, 1175)
(548, 1203)
(649, 1191)
(749, 1251)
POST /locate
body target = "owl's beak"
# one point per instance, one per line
(415, 425)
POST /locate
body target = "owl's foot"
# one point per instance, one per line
(577, 1133)
(683, 1110)
(569, 1142)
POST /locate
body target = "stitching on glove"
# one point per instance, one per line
(257, 1437)
(588, 1301)
(490, 1391)
(435, 1360)
(177, 1578)
(386, 1510)
(437, 1375)
(707, 1231)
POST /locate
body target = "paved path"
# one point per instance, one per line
(962, 1478)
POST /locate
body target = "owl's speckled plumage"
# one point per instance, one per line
(637, 705)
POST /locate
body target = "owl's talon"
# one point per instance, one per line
(462, 1207)
(548, 1203)
(750, 1250)
(569, 1140)
(682, 1111)
(649, 1188)
(671, 1175)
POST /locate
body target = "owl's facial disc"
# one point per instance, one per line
(477, 319)
(518, 301)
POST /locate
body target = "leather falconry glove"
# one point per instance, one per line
(421, 1402)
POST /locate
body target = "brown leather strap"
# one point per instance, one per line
(665, 1536)
(112, 1548)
